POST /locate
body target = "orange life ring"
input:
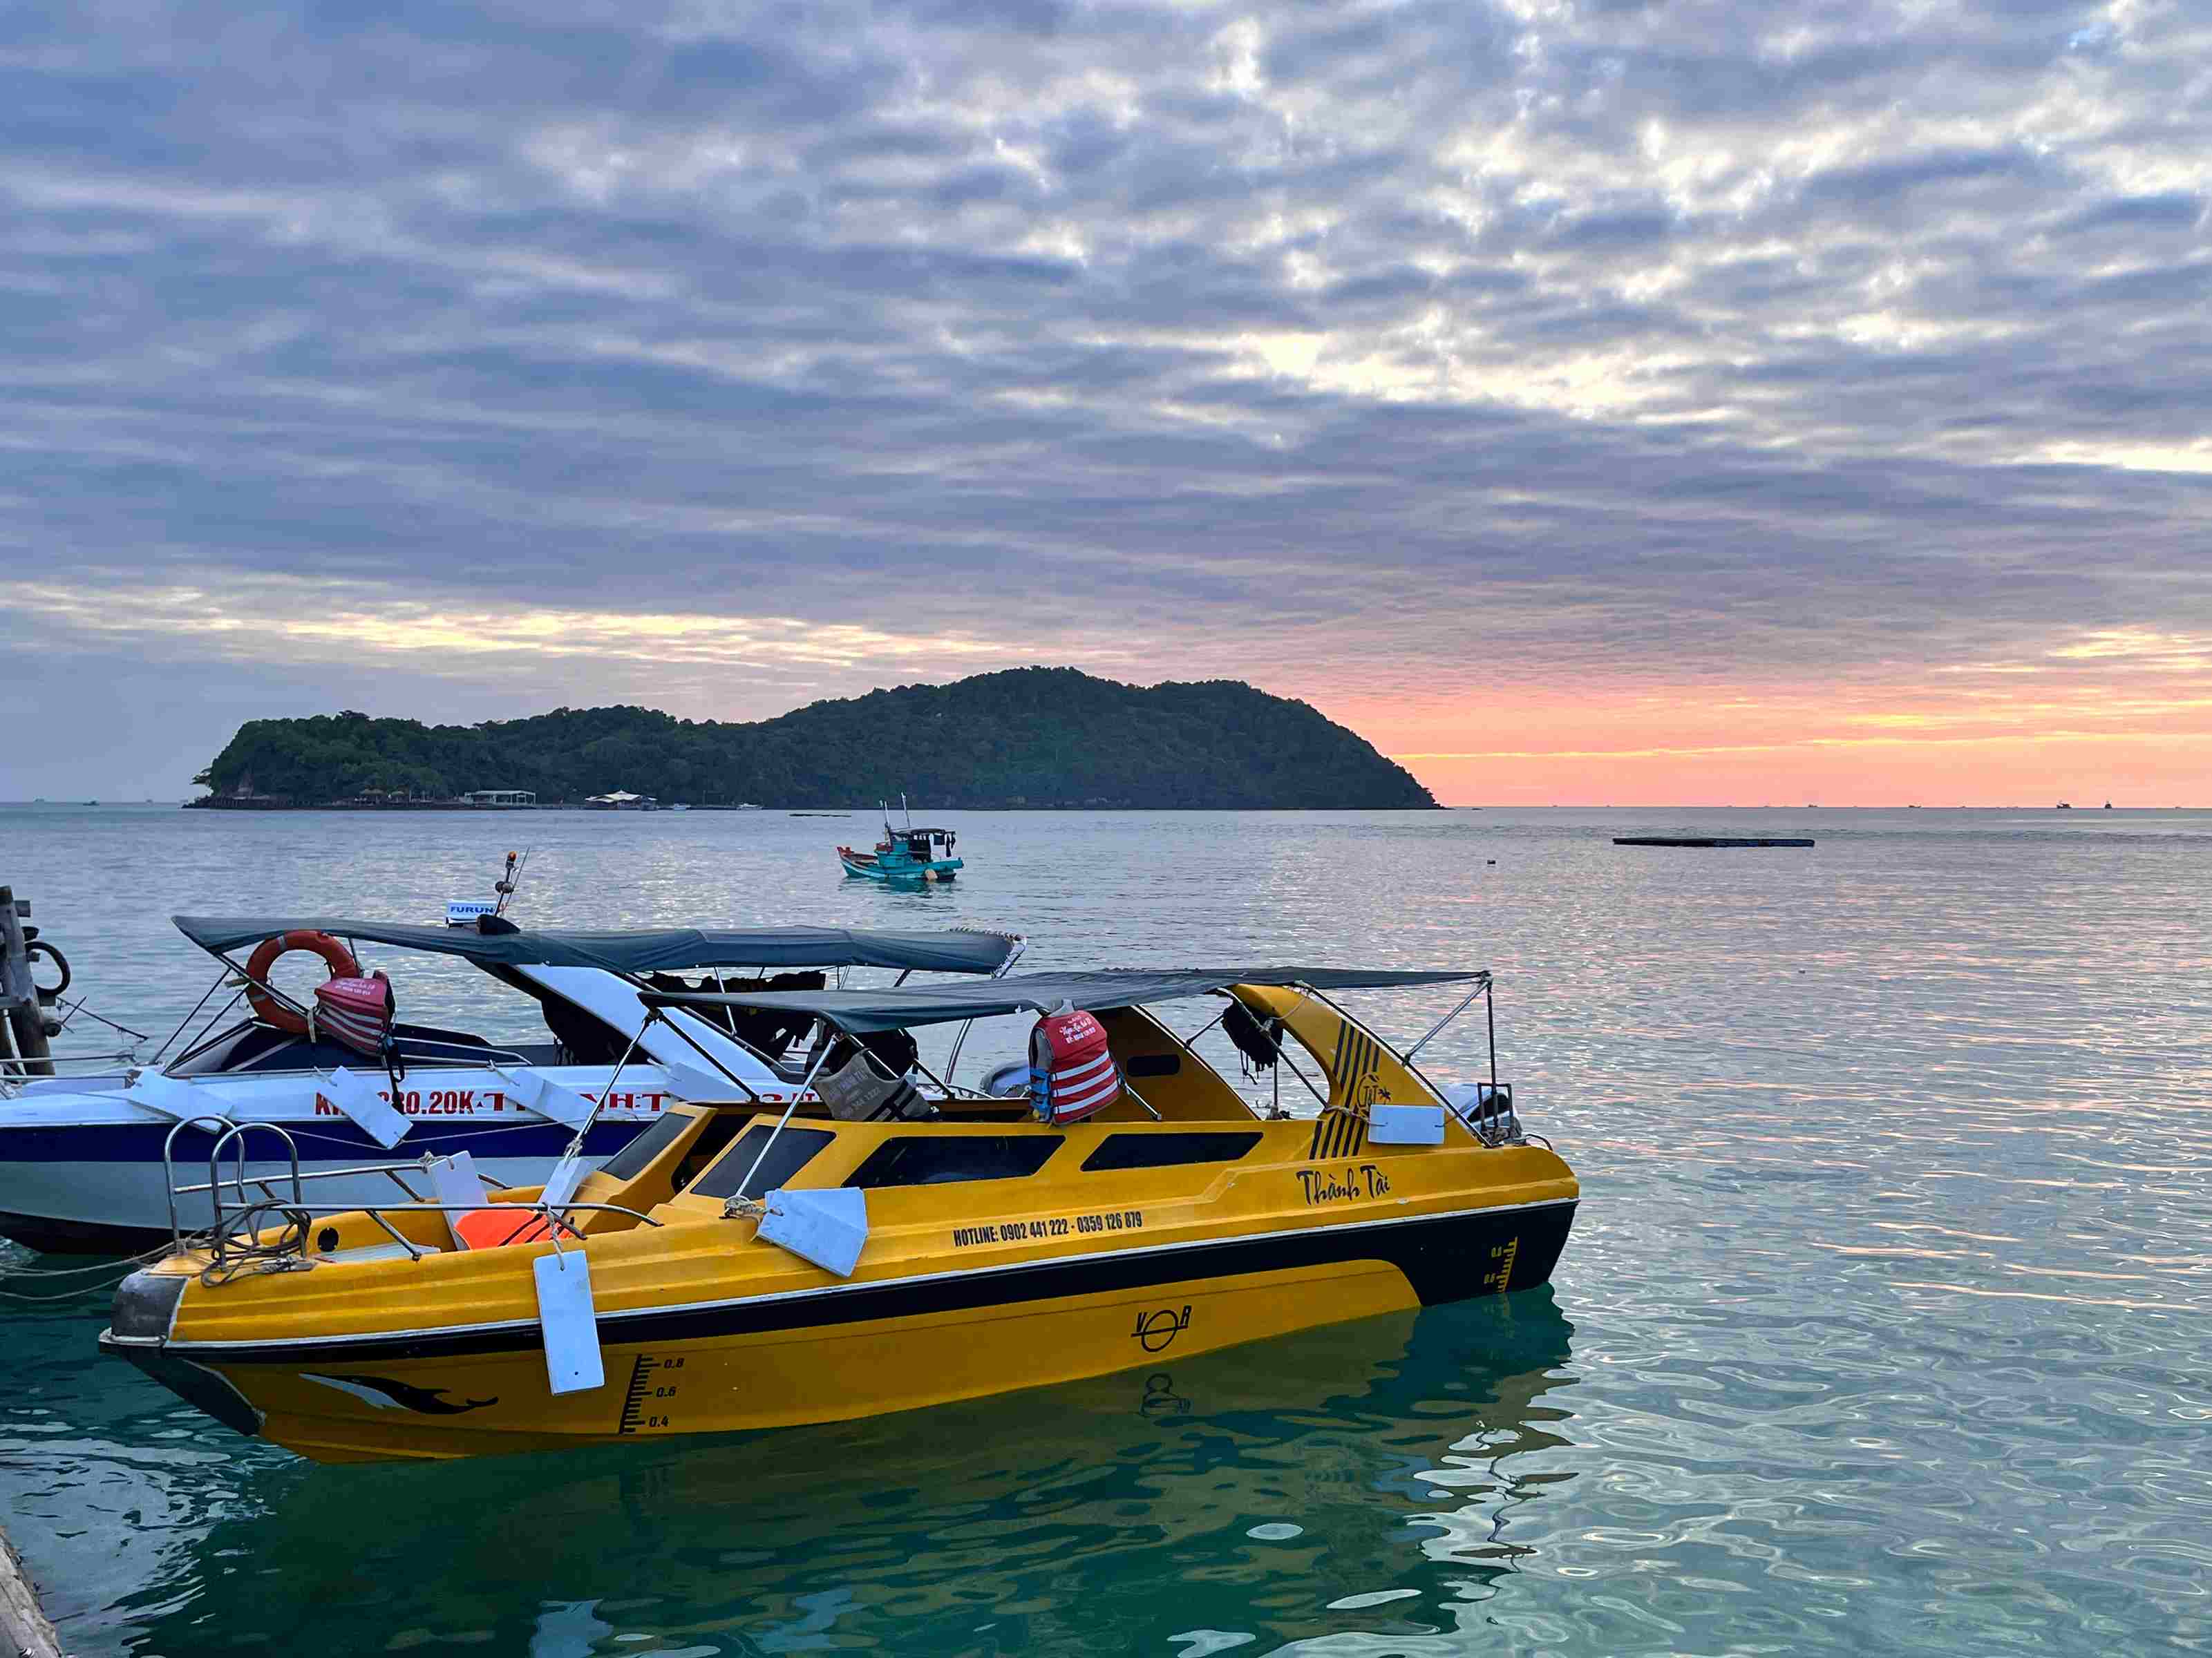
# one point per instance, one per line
(263, 1000)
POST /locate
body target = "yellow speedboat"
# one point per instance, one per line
(744, 1266)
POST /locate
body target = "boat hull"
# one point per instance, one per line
(864, 1350)
(964, 1289)
(938, 873)
(82, 1165)
(122, 1209)
(84, 1174)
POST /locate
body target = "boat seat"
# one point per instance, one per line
(495, 1227)
(368, 1251)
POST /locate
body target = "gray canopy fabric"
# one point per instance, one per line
(657, 950)
(864, 1011)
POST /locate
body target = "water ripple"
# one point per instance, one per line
(1883, 1327)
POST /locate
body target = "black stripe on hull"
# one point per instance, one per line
(1338, 1133)
(50, 1237)
(1342, 1131)
(1443, 1257)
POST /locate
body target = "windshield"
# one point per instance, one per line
(793, 1149)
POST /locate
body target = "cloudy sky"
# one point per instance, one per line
(1588, 402)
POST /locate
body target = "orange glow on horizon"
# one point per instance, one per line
(1994, 737)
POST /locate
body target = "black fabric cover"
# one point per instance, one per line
(651, 951)
(859, 1010)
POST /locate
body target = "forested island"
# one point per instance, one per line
(1025, 738)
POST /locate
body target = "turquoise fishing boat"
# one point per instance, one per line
(907, 857)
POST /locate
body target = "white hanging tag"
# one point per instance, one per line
(570, 1323)
(825, 1227)
(561, 1185)
(1406, 1125)
(454, 1183)
(693, 1084)
(360, 1099)
(172, 1097)
(536, 1091)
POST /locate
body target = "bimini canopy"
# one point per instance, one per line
(864, 1011)
(651, 951)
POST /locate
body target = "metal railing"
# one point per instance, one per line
(1490, 1117)
(239, 1243)
(232, 1236)
(225, 1131)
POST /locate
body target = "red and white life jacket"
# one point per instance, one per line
(357, 1011)
(1072, 1073)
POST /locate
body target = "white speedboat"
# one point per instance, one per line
(86, 1162)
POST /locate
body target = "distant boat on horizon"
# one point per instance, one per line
(2065, 805)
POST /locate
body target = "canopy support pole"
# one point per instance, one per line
(575, 1147)
(685, 1036)
(959, 1041)
(1436, 1029)
(1141, 1099)
(1283, 1054)
(951, 1092)
(219, 980)
(739, 1194)
(1489, 1017)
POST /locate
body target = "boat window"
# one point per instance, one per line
(708, 1147)
(631, 1160)
(584, 1037)
(251, 1047)
(793, 1149)
(1153, 1064)
(766, 1032)
(1167, 1151)
(919, 1160)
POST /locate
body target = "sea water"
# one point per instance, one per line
(1886, 1326)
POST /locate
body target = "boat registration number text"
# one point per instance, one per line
(468, 1101)
(1048, 1226)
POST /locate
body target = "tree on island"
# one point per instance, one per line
(1027, 737)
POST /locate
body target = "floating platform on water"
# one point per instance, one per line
(21, 1622)
(1706, 841)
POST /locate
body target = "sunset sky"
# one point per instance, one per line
(1588, 402)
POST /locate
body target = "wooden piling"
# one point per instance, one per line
(24, 1630)
(19, 993)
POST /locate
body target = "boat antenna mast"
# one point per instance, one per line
(505, 886)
